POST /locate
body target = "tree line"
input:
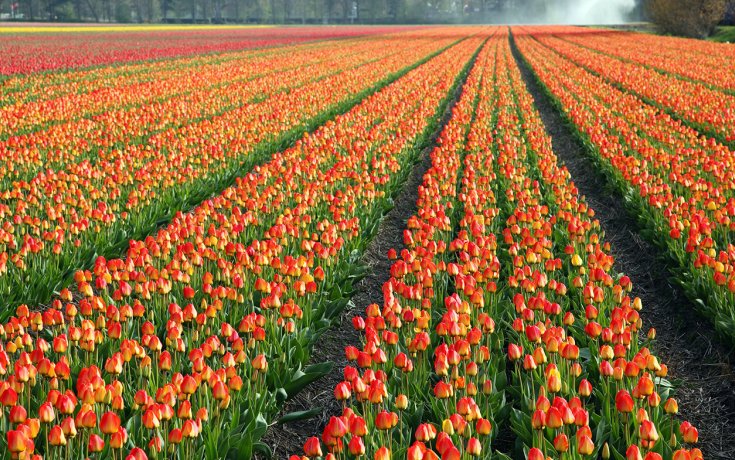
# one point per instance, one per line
(694, 18)
(256, 11)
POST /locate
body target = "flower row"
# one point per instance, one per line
(31, 52)
(202, 330)
(708, 108)
(422, 384)
(56, 222)
(590, 387)
(162, 89)
(706, 62)
(679, 182)
(525, 252)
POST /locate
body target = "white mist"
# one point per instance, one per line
(588, 11)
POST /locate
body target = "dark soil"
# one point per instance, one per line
(698, 362)
(289, 439)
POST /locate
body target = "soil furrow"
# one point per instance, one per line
(699, 364)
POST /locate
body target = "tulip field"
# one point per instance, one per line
(182, 221)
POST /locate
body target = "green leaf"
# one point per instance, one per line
(281, 395)
(263, 449)
(310, 374)
(300, 415)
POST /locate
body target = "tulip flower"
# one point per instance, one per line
(110, 423)
(535, 454)
(383, 453)
(56, 436)
(356, 446)
(624, 402)
(312, 448)
(95, 444)
(561, 443)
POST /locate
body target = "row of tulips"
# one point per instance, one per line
(137, 115)
(423, 332)
(31, 52)
(202, 330)
(681, 184)
(709, 109)
(588, 385)
(698, 60)
(576, 367)
(426, 353)
(84, 83)
(57, 222)
(165, 87)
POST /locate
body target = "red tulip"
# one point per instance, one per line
(110, 423)
(95, 444)
(56, 436)
(623, 402)
(312, 448)
(535, 454)
(383, 453)
(356, 446)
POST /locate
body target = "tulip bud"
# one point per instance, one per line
(474, 447)
(671, 406)
(382, 454)
(624, 402)
(585, 446)
(110, 423)
(175, 436)
(483, 427)
(56, 436)
(585, 388)
(96, 443)
(561, 443)
(633, 453)
(447, 427)
(605, 451)
(356, 446)
(342, 391)
(535, 454)
(401, 402)
(690, 435)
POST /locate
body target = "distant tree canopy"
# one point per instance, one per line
(689, 18)
(253, 11)
(280, 11)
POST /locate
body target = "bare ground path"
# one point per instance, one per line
(698, 362)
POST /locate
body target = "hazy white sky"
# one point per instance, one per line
(568, 12)
(590, 11)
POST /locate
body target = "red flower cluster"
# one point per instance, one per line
(25, 53)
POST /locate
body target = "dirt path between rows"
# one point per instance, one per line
(289, 439)
(686, 342)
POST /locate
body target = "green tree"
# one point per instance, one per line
(689, 18)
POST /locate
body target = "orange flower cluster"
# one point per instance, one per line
(583, 386)
(188, 345)
(145, 163)
(711, 109)
(707, 62)
(578, 358)
(144, 101)
(422, 333)
(29, 51)
(679, 181)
